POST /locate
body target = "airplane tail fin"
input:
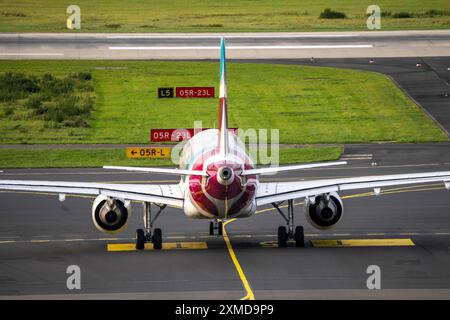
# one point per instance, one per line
(222, 144)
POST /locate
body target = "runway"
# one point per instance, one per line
(239, 45)
(40, 238)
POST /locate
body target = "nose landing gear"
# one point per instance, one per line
(215, 225)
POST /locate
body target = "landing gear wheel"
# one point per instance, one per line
(140, 239)
(220, 227)
(282, 237)
(211, 228)
(299, 237)
(157, 239)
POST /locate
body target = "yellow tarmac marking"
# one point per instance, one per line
(363, 243)
(250, 295)
(269, 244)
(165, 246)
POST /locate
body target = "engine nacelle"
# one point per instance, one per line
(324, 211)
(110, 215)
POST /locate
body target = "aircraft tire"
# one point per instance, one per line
(140, 239)
(299, 237)
(157, 239)
(282, 237)
(220, 227)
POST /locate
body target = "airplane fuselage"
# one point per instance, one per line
(224, 192)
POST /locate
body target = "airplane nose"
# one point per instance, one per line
(225, 175)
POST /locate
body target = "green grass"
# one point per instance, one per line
(213, 15)
(307, 104)
(72, 158)
(58, 101)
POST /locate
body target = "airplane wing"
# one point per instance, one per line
(170, 194)
(270, 170)
(170, 171)
(281, 191)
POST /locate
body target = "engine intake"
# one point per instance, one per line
(324, 211)
(110, 215)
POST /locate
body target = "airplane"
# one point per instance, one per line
(219, 181)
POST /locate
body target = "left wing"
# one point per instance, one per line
(170, 171)
(281, 191)
(170, 194)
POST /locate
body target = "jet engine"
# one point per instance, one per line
(110, 215)
(324, 211)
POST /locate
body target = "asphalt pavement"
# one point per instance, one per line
(292, 45)
(41, 237)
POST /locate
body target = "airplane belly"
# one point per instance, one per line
(192, 211)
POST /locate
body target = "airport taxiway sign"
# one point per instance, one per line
(165, 135)
(149, 152)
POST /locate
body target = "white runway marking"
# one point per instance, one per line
(325, 235)
(337, 46)
(357, 156)
(31, 54)
(232, 36)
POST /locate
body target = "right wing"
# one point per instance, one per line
(281, 191)
(178, 172)
(270, 170)
(170, 194)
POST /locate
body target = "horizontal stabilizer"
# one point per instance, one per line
(159, 170)
(291, 168)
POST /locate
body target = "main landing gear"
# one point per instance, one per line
(148, 234)
(215, 225)
(285, 234)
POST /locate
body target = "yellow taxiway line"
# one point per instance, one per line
(330, 243)
(362, 243)
(165, 246)
(250, 295)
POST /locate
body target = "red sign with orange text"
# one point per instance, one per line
(195, 92)
(166, 135)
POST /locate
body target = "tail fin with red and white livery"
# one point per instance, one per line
(222, 144)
